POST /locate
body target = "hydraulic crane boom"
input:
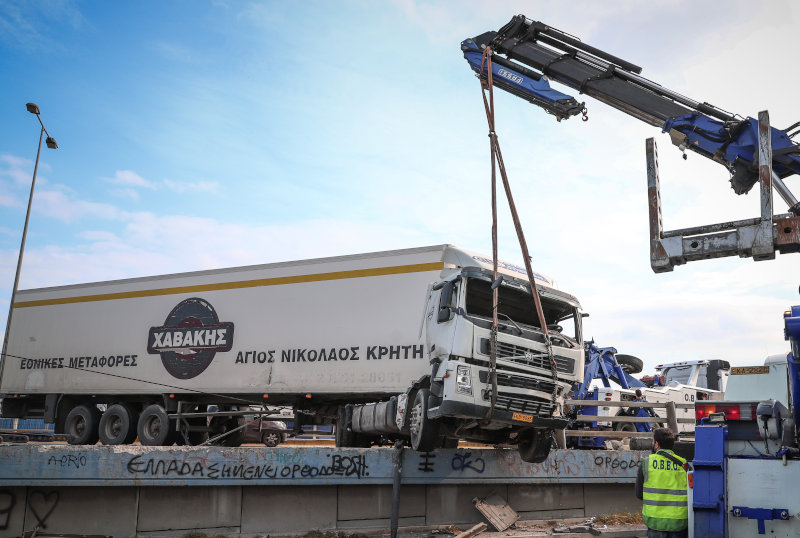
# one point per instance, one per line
(526, 51)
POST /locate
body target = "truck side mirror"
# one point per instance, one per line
(445, 300)
(445, 314)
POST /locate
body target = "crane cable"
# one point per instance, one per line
(497, 163)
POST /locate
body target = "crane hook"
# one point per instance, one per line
(585, 115)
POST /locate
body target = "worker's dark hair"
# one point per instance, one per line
(638, 393)
(664, 437)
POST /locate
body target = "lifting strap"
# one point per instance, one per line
(497, 163)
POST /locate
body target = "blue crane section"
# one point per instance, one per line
(526, 54)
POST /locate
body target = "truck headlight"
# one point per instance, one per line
(463, 379)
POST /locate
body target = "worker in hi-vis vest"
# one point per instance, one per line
(661, 484)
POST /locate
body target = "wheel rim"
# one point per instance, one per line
(416, 420)
(78, 426)
(153, 427)
(114, 427)
(271, 439)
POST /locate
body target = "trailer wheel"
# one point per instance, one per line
(630, 364)
(81, 425)
(195, 437)
(118, 425)
(534, 445)
(225, 424)
(424, 431)
(344, 435)
(155, 428)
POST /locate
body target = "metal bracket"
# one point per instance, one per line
(760, 514)
(758, 238)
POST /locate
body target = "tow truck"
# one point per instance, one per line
(747, 454)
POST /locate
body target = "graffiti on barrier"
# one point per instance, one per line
(340, 466)
(42, 505)
(462, 462)
(68, 460)
(615, 464)
(426, 462)
(7, 502)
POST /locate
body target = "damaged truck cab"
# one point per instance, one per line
(455, 401)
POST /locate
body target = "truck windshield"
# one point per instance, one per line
(678, 375)
(519, 306)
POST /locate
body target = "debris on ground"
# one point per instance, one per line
(585, 527)
(497, 511)
(622, 518)
(473, 531)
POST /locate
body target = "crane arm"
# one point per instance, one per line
(526, 54)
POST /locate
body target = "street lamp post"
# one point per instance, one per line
(51, 143)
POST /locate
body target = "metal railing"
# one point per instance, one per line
(671, 420)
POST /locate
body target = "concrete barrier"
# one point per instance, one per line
(134, 490)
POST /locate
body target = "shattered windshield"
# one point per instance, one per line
(518, 305)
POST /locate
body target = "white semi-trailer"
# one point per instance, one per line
(385, 345)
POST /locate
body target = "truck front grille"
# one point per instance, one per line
(527, 356)
(513, 381)
(521, 403)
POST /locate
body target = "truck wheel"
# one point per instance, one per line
(81, 425)
(344, 436)
(624, 426)
(684, 449)
(225, 424)
(155, 428)
(424, 432)
(534, 446)
(630, 364)
(118, 425)
(194, 437)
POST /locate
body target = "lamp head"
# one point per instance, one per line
(33, 108)
(51, 142)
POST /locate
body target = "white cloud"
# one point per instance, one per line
(132, 180)
(186, 186)
(58, 205)
(18, 169)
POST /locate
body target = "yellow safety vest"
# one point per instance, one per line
(664, 493)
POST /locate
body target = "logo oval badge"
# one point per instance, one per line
(190, 337)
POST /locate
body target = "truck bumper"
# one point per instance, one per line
(471, 411)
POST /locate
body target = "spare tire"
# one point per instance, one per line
(629, 363)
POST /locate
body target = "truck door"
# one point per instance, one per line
(441, 319)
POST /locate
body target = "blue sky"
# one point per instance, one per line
(197, 135)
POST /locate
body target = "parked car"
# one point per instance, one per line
(260, 431)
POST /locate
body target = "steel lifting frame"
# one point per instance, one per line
(758, 238)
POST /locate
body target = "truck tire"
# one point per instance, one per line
(118, 425)
(624, 427)
(225, 424)
(684, 449)
(629, 363)
(191, 437)
(534, 446)
(344, 435)
(424, 432)
(81, 425)
(155, 428)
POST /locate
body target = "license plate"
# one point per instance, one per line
(522, 417)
